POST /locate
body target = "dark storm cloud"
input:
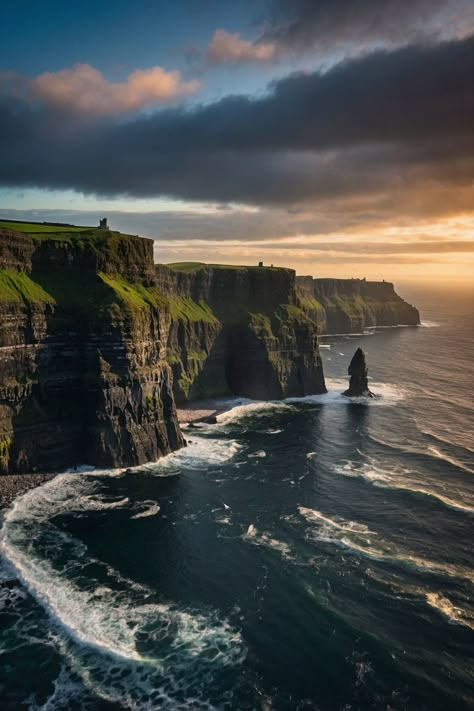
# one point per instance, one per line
(398, 121)
(325, 24)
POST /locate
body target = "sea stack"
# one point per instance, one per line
(358, 383)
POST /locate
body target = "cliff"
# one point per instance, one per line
(83, 375)
(351, 305)
(238, 330)
(91, 335)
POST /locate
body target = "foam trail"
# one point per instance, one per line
(251, 408)
(265, 540)
(455, 615)
(358, 538)
(111, 621)
(386, 394)
(450, 460)
(400, 480)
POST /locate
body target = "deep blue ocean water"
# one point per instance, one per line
(311, 554)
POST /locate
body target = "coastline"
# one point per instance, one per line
(13, 485)
(206, 410)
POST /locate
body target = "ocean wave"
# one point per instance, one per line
(428, 452)
(265, 540)
(200, 453)
(454, 614)
(357, 538)
(149, 508)
(400, 479)
(251, 408)
(385, 394)
(430, 324)
(110, 623)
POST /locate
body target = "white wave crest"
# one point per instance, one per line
(113, 622)
(359, 539)
(403, 480)
(250, 408)
(265, 540)
(456, 615)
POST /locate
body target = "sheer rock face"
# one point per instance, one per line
(91, 336)
(239, 331)
(83, 375)
(358, 383)
(352, 305)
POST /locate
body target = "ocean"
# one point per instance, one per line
(315, 553)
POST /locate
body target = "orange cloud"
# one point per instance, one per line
(83, 88)
(230, 47)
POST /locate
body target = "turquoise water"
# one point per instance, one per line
(311, 554)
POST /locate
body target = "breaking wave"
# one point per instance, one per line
(360, 539)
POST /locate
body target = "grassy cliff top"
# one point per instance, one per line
(195, 266)
(39, 228)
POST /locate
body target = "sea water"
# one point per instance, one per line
(308, 554)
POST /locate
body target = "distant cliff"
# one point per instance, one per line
(351, 305)
(91, 335)
(238, 330)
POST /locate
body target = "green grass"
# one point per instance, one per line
(34, 228)
(134, 296)
(189, 310)
(19, 287)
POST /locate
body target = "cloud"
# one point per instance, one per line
(83, 88)
(384, 134)
(231, 48)
(361, 24)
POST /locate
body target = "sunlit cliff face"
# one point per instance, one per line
(332, 137)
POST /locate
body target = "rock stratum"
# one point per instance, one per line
(341, 306)
(97, 345)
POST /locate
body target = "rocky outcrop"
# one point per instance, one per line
(83, 374)
(352, 305)
(239, 331)
(358, 372)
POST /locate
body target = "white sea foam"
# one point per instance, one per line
(456, 615)
(150, 508)
(249, 409)
(200, 453)
(450, 460)
(265, 540)
(404, 480)
(261, 454)
(430, 324)
(113, 623)
(359, 539)
(385, 394)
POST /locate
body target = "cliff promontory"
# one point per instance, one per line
(97, 345)
(83, 372)
(238, 330)
(351, 305)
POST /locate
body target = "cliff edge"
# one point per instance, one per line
(352, 305)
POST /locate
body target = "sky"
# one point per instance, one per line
(335, 137)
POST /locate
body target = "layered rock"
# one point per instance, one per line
(239, 330)
(91, 336)
(83, 375)
(358, 372)
(352, 305)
